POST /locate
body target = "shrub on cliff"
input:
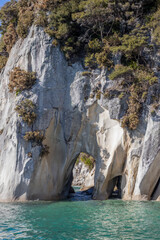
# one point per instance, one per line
(87, 160)
(26, 109)
(3, 56)
(35, 136)
(3, 61)
(97, 16)
(10, 37)
(26, 15)
(25, 20)
(8, 15)
(95, 30)
(121, 71)
(41, 19)
(21, 80)
(154, 24)
(131, 118)
(77, 22)
(136, 82)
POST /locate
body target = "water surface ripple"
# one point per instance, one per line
(75, 220)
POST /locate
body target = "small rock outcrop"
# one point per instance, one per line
(84, 172)
(72, 120)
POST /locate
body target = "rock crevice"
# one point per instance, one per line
(72, 122)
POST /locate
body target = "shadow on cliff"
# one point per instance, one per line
(62, 93)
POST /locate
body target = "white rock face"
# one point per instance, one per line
(83, 176)
(72, 123)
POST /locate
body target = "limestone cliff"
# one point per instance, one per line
(72, 122)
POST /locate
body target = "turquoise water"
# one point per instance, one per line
(112, 219)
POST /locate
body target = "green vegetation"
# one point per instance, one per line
(3, 58)
(3, 61)
(120, 71)
(96, 31)
(121, 95)
(26, 109)
(87, 160)
(154, 24)
(8, 15)
(132, 44)
(131, 119)
(135, 81)
(25, 17)
(98, 95)
(21, 80)
(35, 136)
(10, 37)
(79, 24)
(87, 26)
(86, 74)
(8, 18)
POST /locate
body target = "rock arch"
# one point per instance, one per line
(53, 175)
(73, 121)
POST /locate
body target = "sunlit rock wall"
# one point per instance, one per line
(72, 122)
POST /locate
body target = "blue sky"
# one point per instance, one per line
(2, 2)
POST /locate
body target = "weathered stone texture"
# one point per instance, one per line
(73, 123)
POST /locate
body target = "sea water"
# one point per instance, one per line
(95, 220)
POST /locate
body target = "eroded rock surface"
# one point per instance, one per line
(72, 122)
(83, 175)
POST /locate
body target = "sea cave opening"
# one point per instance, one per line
(115, 187)
(83, 177)
(156, 191)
